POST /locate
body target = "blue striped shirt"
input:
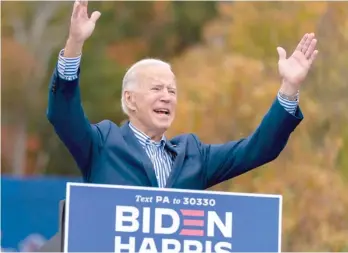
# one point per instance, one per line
(68, 67)
(161, 159)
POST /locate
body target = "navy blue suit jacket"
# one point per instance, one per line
(110, 154)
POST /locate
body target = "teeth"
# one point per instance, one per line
(164, 111)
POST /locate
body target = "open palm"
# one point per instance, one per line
(294, 69)
(82, 26)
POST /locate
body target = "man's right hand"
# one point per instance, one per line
(81, 28)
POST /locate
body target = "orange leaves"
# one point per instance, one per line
(257, 28)
(126, 52)
(228, 83)
(18, 63)
(218, 91)
(161, 10)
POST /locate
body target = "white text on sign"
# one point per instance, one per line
(185, 200)
(147, 220)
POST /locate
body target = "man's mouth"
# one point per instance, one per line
(162, 111)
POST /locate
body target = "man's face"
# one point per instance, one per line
(155, 98)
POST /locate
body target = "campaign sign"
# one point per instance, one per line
(111, 218)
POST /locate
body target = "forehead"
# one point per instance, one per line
(157, 75)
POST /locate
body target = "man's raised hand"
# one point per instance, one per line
(293, 70)
(81, 28)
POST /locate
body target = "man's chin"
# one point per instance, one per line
(162, 125)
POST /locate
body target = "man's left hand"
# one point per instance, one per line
(294, 70)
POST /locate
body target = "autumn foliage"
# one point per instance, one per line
(227, 84)
(225, 59)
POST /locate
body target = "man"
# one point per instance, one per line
(138, 153)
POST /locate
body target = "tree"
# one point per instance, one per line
(125, 33)
(28, 35)
(227, 83)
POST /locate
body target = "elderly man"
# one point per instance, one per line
(138, 153)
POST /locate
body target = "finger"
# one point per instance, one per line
(311, 49)
(281, 53)
(95, 16)
(302, 42)
(313, 56)
(83, 12)
(307, 43)
(84, 3)
(76, 9)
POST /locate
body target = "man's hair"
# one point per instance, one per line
(131, 78)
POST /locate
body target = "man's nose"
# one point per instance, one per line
(165, 97)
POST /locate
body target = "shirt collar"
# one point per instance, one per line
(145, 139)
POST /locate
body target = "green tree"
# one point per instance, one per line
(27, 26)
(126, 32)
(227, 83)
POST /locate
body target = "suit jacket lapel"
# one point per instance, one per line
(136, 148)
(179, 151)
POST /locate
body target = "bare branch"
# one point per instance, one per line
(43, 16)
(20, 34)
(53, 39)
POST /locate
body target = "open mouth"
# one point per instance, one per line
(162, 111)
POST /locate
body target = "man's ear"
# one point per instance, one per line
(130, 100)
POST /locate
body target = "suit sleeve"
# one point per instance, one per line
(66, 114)
(228, 160)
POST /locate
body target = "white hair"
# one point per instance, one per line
(131, 78)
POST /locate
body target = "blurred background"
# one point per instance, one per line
(224, 55)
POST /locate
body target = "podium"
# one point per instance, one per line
(112, 218)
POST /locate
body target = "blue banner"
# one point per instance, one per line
(107, 218)
(30, 210)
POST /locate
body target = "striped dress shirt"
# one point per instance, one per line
(161, 159)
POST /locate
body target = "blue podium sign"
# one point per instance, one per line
(111, 218)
